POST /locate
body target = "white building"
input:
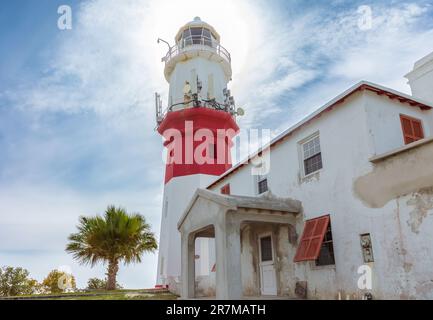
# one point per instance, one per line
(348, 195)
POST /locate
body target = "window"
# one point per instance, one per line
(326, 254)
(316, 242)
(266, 248)
(367, 248)
(311, 155)
(187, 38)
(226, 189)
(196, 35)
(412, 129)
(207, 38)
(262, 184)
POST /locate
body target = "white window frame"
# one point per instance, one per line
(302, 156)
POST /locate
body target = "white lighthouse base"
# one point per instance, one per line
(177, 194)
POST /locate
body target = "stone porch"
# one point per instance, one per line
(228, 219)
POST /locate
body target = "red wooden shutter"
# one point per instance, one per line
(226, 189)
(417, 129)
(412, 129)
(312, 238)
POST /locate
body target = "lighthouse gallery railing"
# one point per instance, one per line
(197, 42)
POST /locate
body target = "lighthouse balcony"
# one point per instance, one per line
(196, 46)
(193, 43)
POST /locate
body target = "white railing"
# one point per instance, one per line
(197, 42)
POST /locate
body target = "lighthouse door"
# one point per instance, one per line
(268, 279)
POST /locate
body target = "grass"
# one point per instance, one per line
(102, 295)
(125, 296)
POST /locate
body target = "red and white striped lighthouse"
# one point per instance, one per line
(198, 127)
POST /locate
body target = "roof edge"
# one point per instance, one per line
(362, 85)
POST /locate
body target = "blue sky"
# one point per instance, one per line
(76, 107)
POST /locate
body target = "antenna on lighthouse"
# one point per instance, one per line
(240, 112)
(158, 108)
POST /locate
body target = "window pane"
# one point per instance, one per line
(206, 33)
(313, 164)
(311, 148)
(328, 234)
(196, 31)
(207, 38)
(266, 248)
(263, 186)
(188, 41)
(207, 42)
(196, 35)
(326, 254)
(186, 33)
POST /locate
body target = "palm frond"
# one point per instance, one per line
(116, 235)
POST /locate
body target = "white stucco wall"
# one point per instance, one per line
(364, 125)
(384, 122)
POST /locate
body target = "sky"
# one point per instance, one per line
(77, 106)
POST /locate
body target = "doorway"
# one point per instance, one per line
(268, 277)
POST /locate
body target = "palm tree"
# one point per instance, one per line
(117, 236)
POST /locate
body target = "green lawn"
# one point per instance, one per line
(104, 295)
(134, 296)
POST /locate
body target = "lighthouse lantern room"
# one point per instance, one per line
(198, 127)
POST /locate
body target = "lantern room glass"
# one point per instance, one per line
(197, 36)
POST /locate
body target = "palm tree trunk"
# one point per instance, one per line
(113, 267)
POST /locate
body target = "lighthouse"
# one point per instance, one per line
(198, 127)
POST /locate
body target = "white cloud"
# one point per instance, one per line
(289, 82)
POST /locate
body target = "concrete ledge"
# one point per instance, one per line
(405, 148)
(397, 173)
